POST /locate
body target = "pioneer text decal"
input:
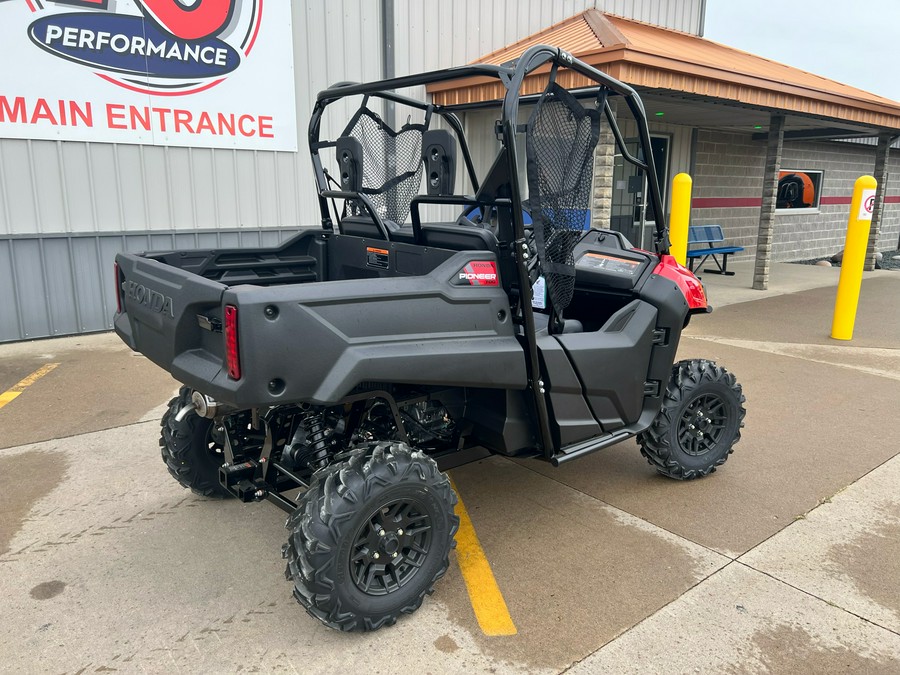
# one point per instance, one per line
(477, 273)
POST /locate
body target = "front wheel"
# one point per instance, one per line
(371, 537)
(700, 421)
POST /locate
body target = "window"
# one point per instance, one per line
(798, 189)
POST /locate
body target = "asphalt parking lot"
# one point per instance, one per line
(785, 560)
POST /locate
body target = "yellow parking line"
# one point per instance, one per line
(484, 593)
(11, 394)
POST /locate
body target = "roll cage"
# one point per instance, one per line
(492, 190)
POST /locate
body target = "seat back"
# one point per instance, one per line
(458, 237)
(362, 225)
(705, 234)
(383, 164)
(439, 156)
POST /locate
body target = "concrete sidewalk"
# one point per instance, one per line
(784, 560)
(784, 279)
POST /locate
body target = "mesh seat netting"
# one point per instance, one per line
(391, 164)
(559, 145)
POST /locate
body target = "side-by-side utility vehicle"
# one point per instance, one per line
(338, 374)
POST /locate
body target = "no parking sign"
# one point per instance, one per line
(866, 205)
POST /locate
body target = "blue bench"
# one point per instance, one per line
(709, 235)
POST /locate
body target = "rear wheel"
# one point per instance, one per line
(371, 537)
(699, 422)
(192, 448)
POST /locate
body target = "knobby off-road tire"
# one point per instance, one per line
(189, 450)
(370, 537)
(699, 423)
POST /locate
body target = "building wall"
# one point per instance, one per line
(727, 190)
(823, 234)
(728, 167)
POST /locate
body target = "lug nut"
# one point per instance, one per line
(399, 533)
(381, 533)
(394, 554)
(375, 555)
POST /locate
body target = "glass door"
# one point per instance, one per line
(632, 215)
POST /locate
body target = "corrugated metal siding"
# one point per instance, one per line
(59, 187)
(63, 284)
(66, 208)
(478, 27)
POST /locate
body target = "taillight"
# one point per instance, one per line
(232, 354)
(118, 288)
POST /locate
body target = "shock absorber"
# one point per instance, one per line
(316, 439)
(309, 446)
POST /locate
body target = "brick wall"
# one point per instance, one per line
(729, 166)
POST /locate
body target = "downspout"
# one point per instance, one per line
(388, 69)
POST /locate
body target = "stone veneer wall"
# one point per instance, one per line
(729, 167)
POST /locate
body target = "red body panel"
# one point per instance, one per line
(685, 280)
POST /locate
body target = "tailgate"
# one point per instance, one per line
(160, 308)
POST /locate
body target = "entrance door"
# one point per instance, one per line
(631, 213)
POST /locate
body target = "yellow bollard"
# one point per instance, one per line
(680, 218)
(854, 258)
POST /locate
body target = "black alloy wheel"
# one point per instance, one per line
(370, 537)
(391, 547)
(699, 421)
(703, 425)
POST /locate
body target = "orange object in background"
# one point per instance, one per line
(795, 191)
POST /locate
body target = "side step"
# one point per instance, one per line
(583, 448)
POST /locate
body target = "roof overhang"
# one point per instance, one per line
(683, 67)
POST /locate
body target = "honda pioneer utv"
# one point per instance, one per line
(338, 374)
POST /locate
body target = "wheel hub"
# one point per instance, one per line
(702, 425)
(391, 544)
(390, 547)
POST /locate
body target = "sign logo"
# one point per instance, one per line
(159, 47)
(866, 205)
(478, 273)
(191, 73)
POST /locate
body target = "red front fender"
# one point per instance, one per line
(690, 285)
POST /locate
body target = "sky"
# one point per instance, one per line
(856, 44)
